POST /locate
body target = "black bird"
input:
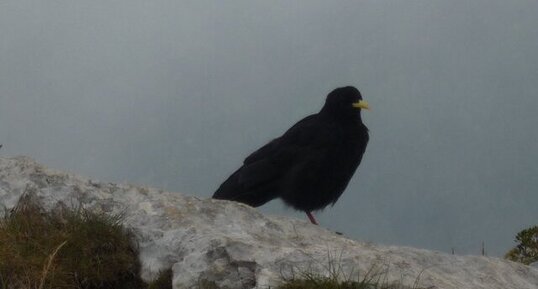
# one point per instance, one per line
(310, 165)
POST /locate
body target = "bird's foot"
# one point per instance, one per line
(312, 219)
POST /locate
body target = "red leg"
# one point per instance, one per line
(312, 219)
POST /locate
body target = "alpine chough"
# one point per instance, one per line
(310, 165)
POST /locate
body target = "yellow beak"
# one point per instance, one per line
(361, 104)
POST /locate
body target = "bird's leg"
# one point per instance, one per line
(311, 217)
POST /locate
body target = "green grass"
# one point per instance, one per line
(329, 283)
(67, 248)
(376, 277)
(316, 281)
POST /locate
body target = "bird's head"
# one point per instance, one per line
(345, 102)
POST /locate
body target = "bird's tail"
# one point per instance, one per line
(234, 189)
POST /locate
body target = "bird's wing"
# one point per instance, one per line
(256, 182)
(305, 142)
(309, 133)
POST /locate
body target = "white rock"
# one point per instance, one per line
(235, 246)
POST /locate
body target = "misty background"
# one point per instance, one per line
(175, 94)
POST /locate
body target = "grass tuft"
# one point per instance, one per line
(376, 277)
(66, 248)
(316, 281)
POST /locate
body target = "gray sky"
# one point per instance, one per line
(174, 94)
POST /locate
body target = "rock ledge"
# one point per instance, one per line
(235, 246)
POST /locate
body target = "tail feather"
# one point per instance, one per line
(235, 189)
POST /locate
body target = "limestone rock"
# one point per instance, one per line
(235, 246)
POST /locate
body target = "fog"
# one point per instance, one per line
(175, 94)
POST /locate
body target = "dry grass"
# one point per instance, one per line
(74, 249)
